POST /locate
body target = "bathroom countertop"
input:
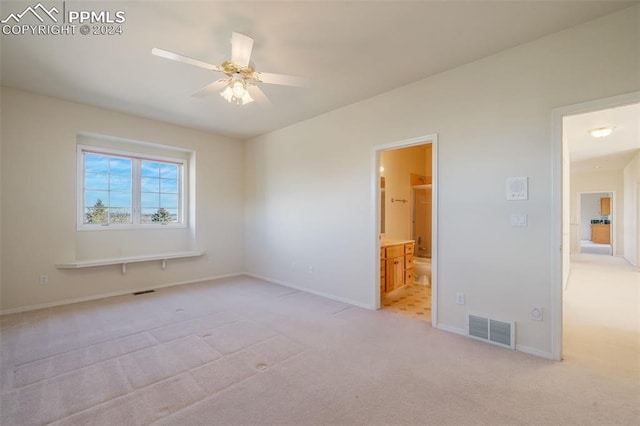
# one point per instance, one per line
(391, 242)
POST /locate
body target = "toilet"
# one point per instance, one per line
(422, 270)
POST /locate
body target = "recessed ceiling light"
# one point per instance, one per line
(597, 167)
(601, 132)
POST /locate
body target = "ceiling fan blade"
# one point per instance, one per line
(258, 95)
(285, 80)
(210, 88)
(241, 46)
(185, 59)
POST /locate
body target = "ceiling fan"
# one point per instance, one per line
(240, 83)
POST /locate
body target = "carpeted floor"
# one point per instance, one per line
(241, 351)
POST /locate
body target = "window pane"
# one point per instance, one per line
(96, 181)
(94, 217)
(120, 183)
(168, 201)
(149, 184)
(150, 201)
(169, 186)
(148, 168)
(92, 197)
(173, 214)
(95, 210)
(120, 199)
(119, 215)
(96, 163)
(147, 214)
(169, 171)
(120, 166)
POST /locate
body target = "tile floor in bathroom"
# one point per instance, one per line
(409, 300)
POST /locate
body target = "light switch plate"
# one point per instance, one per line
(517, 188)
(519, 220)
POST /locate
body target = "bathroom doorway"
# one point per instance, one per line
(406, 206)
(595, 222)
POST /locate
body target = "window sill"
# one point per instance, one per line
(115, 227)
(125, 260)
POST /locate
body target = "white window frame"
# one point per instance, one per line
(135, 190)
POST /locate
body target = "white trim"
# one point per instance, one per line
(434, 230)
(557, 213)
(518, 348)
(535, 352)
(112, 294)
(451, 329)
(311, 291)
(375, 202)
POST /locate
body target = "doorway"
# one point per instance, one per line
(581, 169)
(596, 227)
(399, 169)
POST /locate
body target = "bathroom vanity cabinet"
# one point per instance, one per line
(396, 265)
(601, 234)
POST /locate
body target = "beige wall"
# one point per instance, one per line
(38, 185)
(631, 178)
(398, 166)
(311, 186)
(598, 181)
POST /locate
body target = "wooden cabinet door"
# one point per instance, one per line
(601, 234)
(390, 283)
(605, 206)
(395, 273)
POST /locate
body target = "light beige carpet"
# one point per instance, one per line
(242, 351)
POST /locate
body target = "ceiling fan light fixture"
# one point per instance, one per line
(240, 73)
(236, 93)
(246, 98)
(601, 132)
(238, 89)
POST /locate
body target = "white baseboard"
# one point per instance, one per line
(111, 294)
(308, 290)
(451, 329)
(534, 351)
(519, 348)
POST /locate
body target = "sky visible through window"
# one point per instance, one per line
(109, 183)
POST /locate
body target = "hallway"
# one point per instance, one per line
(602, 315)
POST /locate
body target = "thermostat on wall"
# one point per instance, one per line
(517, 188)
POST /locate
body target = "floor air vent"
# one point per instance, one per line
(138, 293)
(497, 332)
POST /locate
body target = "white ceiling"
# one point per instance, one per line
(348, 50)
(613, 152)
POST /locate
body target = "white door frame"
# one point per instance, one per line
(375, 197)
(560, 216)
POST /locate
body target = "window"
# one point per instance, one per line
(123, 189)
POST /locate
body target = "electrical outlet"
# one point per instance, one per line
(44, 279)
(210, 259)
(535, 313)
(460, 298)
(311, 269)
